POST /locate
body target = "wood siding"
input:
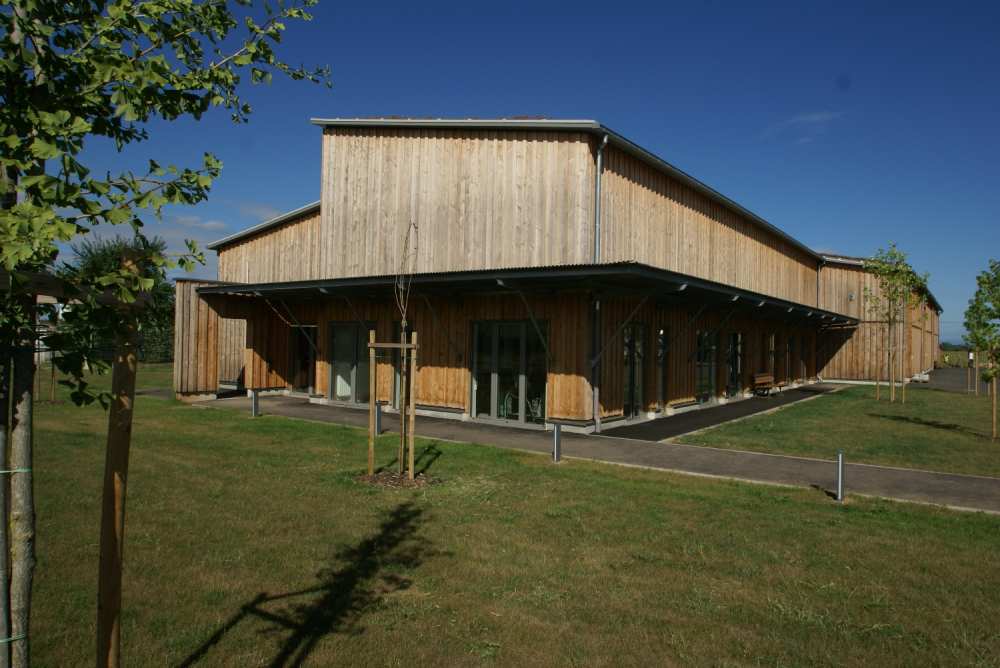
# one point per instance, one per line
(480, 199)
(196, 336)
(649, 217)
(861, 353)
(288, 252)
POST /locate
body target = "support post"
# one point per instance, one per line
(112, 545)
(255, 403)
(556, 442)
(372, 402)
(413, 402)
(840, 476)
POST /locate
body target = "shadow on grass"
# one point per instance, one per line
(367, 572)
(421, 464)
(936, 424)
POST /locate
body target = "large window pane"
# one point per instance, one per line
(535, 372)
(344, 351)
(484, 369)
(508, 371)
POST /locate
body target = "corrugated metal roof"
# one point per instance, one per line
(628, 277)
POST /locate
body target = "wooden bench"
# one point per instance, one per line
(763, 383)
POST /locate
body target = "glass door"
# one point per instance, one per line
(349, 362)
(734, 364)
(302, 363)
(509, 372)
(633, 344)
(705, 367)
(663, 369)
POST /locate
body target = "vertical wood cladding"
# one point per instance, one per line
(480, 199)
(196, 340)
(649, 217)
(287, 252)
(861, 353)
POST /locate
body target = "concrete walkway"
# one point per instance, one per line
(953, 490)
(953, 380)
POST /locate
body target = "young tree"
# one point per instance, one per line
(982, 324)
(888, 298)
(71, 72)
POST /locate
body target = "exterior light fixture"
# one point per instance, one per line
(683, 287)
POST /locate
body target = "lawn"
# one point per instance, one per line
(250, 543)
(934, 430)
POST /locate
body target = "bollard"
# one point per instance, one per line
(840, 476)
(378, 418)
(254, 403)
(556, 442)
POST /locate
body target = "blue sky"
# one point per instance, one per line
(847, 125)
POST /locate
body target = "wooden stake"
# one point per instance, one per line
(413, 394)
(109, 584)
(994, 408)
(372, 399)
(402, 400)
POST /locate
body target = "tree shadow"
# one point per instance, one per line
(936, 424)
(425, 460)
(360, 576)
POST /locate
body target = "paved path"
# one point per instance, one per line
(952, 380)
(958, 491)
(668, 427)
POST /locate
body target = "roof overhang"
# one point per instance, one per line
(587, 126)
(618, 279)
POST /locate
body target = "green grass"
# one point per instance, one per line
(249, 543)
(934, 430)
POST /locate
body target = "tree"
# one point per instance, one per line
(982, 324)
(71, 72)
(888, 300)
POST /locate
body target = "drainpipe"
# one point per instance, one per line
(595, 370)
(597, 199)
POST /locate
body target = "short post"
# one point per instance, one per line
(373, 411)
(840, 476)
(378, 418)
(255, 403)
(556, 442)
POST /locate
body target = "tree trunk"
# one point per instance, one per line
(5, 364)
(410, 428)
(22, 504)
(878, 366)
(109, 587)
(994, 408)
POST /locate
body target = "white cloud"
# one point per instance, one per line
(198, 223)
(803, 127)
(259, 210)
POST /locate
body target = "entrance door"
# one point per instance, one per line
(706, 366)
(509, 372)
(349, 361)
(302, 362)
(634, 355)
(734, 364)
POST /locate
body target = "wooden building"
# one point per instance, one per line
(559, 272)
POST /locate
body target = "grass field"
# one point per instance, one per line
(250, 543)
(934, 429)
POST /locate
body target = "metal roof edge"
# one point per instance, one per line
(260, 227)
